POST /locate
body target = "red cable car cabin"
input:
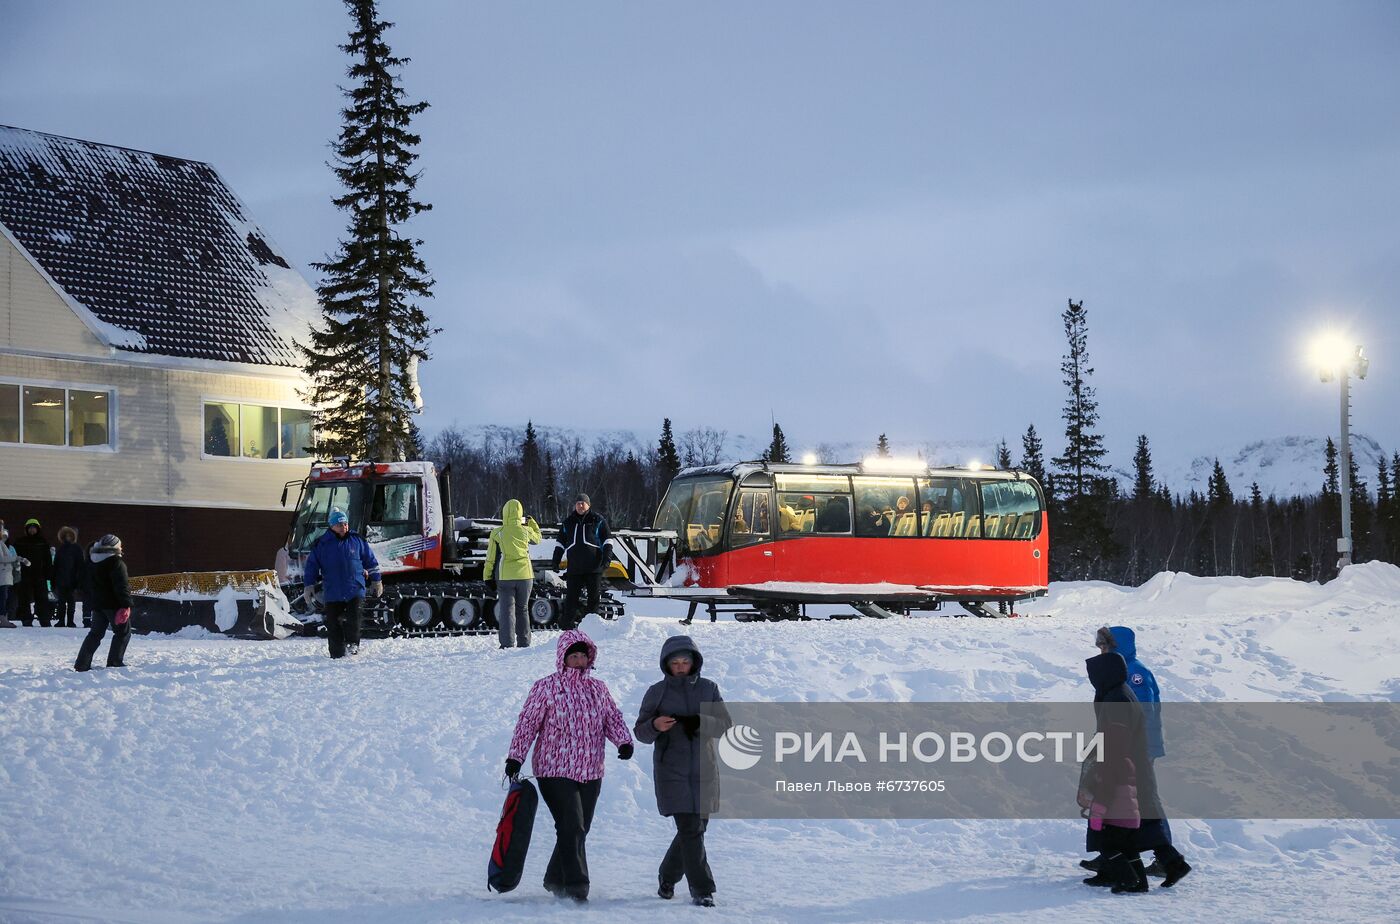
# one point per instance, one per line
(861, 533)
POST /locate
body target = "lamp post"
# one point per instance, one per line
(1335, 360)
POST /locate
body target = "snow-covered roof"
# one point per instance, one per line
(155, 253)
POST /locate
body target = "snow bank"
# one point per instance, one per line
(217, 779)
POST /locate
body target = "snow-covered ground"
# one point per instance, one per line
(222, 780)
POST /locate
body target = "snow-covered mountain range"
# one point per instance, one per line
(1283, 466)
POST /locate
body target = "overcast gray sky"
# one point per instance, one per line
(854, 217)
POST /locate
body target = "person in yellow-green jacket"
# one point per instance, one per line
(508, 565)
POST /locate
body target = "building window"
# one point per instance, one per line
(52, 415)
(259, 432)
(9, 413)
(87, 418)
(256, 431)
(43, 416)
(296, 433)
(220, 429)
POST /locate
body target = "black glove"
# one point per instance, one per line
(491, 583)
(512, 768)
(691, 724)
(558, 557)
(625, 752)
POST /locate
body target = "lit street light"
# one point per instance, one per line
(1335, 359)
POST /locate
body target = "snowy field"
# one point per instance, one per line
(220, 780)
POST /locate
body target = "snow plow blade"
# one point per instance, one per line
(240, 604)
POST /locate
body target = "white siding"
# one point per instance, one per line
(158, 433)
(35, 317)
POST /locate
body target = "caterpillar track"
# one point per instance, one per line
(436, 609)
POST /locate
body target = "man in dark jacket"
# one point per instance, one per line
(33, 587)
(583, 540)
(682, 716)
(68, 562)
(110, 599)
(345, 564)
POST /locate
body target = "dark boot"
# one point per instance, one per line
(1133, 878)
(665, 889)
(1092, 864)
(1156, 869)
(1175, 870)
(1109, 872)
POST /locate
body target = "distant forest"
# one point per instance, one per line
(1097, 531)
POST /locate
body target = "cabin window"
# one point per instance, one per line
(695, 508)
(394, 512)
(948, 508)
(54, 415)
(885, 506)
(220, 429)
(1011, 510)
(752, 520)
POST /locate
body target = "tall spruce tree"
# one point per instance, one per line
(1143, 487)
(668, 460)
(362, 359)
(1004, 456)
(549, 512)
(882, 447)
(778, 449)
(1083, 461)
(1331, 472)
(531, 467)
(1033, 456)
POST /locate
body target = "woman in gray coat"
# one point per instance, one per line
(682, 716)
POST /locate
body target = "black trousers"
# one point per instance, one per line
(121, 634)
(342, 618)
(571, 803)
(67, 607)
(686, 856)
(592, 581)
(33, 601)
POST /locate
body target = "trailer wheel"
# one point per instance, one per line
(460, 614)
(417, 613)
(542, 612)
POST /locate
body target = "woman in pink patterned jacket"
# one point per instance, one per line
(566, 717)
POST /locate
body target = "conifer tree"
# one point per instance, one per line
(882, 447)
(362, 358)
(531, 467)
(1084, 450)
(1033, 457)
(778, 449)
(1143, 487)
(668, 460)
(1004, 456)
(1331, 483)
(1218, 493)
(550, 510)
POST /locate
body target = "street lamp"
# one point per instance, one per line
(1335, 359)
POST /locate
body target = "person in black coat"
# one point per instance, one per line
(583, 540)
(109, 596)
(33, 586)
(68, 565)
(682, 716)
(1119, 718)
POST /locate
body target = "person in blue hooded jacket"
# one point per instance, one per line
(1155, 833)
(345, 565)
